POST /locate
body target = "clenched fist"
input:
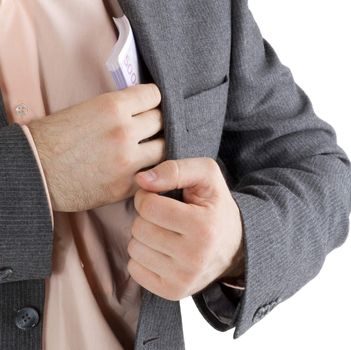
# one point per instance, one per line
(178, 248)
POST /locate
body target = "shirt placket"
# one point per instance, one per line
(20, 82)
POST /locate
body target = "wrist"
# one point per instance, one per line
(236, 270)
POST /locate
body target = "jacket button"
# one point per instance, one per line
(265, 309)
(27, 318)
(5, 273)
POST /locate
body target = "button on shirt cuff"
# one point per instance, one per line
(35, 152)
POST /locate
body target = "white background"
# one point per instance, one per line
(313, 38)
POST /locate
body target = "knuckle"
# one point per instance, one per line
(124, 161)
(157, 153)
(158, 113)
(171, 166)
(120, 134)
(159, 118)
(117, 191)
(112, 104)
(136, 228)
(130, 267)
(144, 206)
(211, 164)
(131, 247)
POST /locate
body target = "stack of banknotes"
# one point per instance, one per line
(123, 62)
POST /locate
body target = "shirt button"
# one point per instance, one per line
(21, 109)
(27, 318)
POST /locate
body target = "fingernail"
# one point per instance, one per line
(149, 175)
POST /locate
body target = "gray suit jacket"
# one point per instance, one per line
(225, 95)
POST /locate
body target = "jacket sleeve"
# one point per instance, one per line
(290, 179)
(26, 227)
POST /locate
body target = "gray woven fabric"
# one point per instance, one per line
(25, 236)
(225, 95)
(14, 296)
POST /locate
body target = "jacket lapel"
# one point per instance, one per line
(151, 21)
(154, 25)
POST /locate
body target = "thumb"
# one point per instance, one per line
(180, 173)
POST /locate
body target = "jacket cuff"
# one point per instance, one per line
(264, 266)
(219, 305)
(35, 152)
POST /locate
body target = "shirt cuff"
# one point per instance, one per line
(35, 152)
(238, 285)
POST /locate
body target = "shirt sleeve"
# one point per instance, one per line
(30, 139)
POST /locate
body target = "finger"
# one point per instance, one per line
(151, 153)
(151, 259)
(140, 98)
(200, 173)
(147, 124)
(168, 213)
(143, 276)
(156, 237)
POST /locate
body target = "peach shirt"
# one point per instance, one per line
(54, 58)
